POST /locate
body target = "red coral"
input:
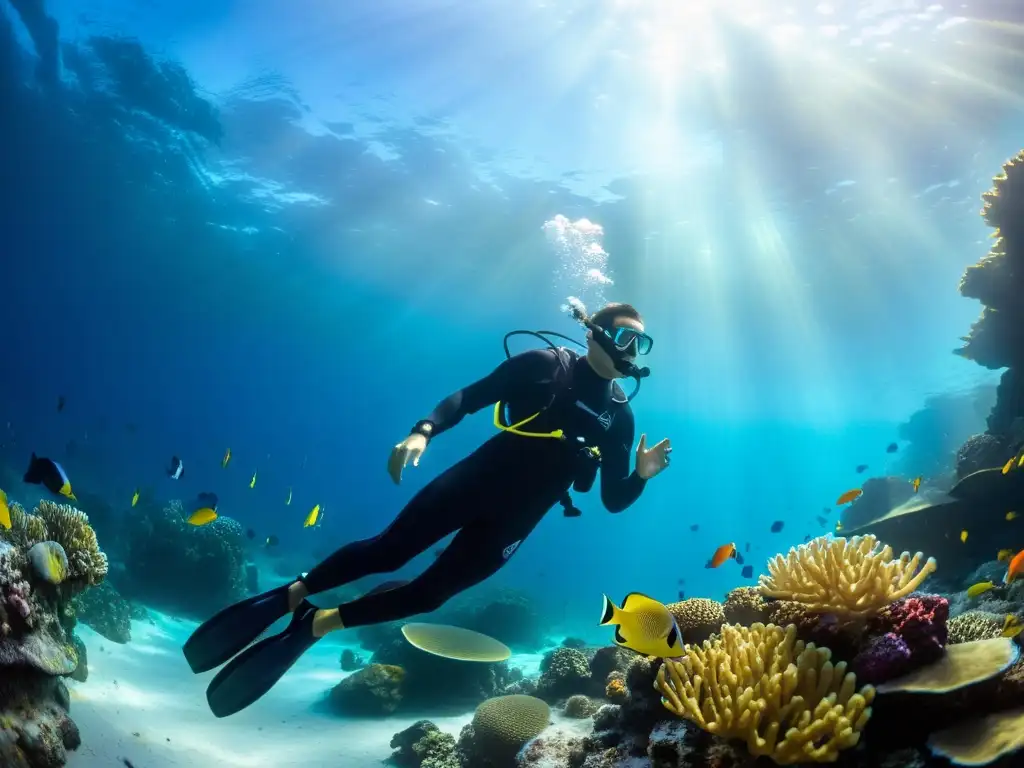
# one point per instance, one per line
(920, 622)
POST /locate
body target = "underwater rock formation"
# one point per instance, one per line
(878, 496)
(424, 745)
(564, 672)
(996, 339)
(165, 555)
(36, 618)
(932, 435)
(507, 615)
(373, 690)
(350, 662)
(102, 608)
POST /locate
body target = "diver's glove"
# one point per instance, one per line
(410, 449)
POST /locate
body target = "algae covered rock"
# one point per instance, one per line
(372, 691)
(103, 609)
(564, 672)
(424, 745)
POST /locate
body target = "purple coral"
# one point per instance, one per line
(885, 657)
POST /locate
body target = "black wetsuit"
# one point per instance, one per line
(495, 496)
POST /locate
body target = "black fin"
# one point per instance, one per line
(618, 637)
(673, 635)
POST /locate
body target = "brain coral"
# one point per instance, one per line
(508, 722)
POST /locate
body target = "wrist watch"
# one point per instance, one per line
(423, 427)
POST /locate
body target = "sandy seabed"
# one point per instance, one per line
(142, 703)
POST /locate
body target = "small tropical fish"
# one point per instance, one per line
(60, 403)
(1004, 555)
(739, 558)
(1015, 569)
(1009, 465)
(226, 459)
(5, 512)
(312, 517)
(1011, 626)
(643, 625)
(722, 554)
(747, 572)
(849, 496)
(1010, 516)
(980, 588)
(822, 521)
(288, 501)
(272, 541)
(916, 482)
(682, 595)
(807, 538)
(861, 468)
(252, 483)
(135, 497)
(695, 527)
(892, 448)
(777, 526)
(963, 535)
(177, 468)
(202, 516)
(839, 527)
(49, 474)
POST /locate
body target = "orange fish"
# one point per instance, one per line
(1016, 567)
(916, 482)
(722, 554)
(849, 496)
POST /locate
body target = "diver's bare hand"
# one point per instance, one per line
(408, 450)
(651, 461)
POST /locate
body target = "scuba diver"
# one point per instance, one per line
(560, 415)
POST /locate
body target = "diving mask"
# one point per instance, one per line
(630, 340)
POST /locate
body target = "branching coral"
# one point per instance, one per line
(70, 528)
(761, 684)
(846, 577)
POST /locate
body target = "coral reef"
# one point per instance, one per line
(423, 745)
(36, 645)
(373, 690)
(164, 554)
(697, 618)
(103, 609)
(854, 577)
(609, 659)
(761, 684)
(746, 606)
(564, 672)
(580, 706)
(979, 452)
(974, 625)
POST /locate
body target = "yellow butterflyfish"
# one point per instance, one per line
(312, 517)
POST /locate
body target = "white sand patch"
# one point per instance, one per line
(142, 702)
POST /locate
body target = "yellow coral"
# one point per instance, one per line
(846, 577)
(761, 683)
(70, 528)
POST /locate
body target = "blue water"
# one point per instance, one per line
(323, 217)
